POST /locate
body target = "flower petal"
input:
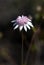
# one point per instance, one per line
(16, 27)
(28, 26)
(25, 28)
(13, 21)
(29, 19)
(19, 17)
(20, 28)
(14, 24)
(29, 23)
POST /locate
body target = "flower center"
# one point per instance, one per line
(22, 20)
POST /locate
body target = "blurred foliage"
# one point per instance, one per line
(33, 48)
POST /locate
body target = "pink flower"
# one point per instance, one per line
(22, 21)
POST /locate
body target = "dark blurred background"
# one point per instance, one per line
(11, 40)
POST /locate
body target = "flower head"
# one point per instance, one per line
(22, 21)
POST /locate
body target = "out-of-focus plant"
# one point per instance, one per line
(1, 35)
(22, 22)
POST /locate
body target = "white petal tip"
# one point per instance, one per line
(14, 24)
(13, 21)
(30, 24)
(25, 28)
(16, 27)
(20, 28)
(29, 20)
